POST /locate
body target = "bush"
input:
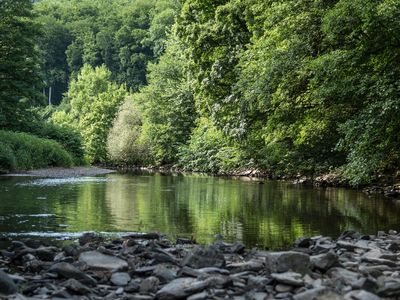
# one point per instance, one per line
(23, 151)
(125, 143)
(209, 151)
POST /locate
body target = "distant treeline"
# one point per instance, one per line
(289, 86)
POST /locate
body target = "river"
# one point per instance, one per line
(270, 215)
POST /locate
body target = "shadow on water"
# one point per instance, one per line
(270, 215)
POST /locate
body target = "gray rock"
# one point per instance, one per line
(181, 288)
(279, 262)
(360, 295)
(67, 270)
(319, 293)
(289, 278)
(283, 288)
(324, 261)
(149, 285)
(99, 261)
(251, 265)
(90, 237)
(204, 257)
(7, 286)
(198, 296)
(389, 288)
(75, 287)
(344, 276)
(120, 278)
(164, 274)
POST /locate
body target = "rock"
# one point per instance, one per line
(181, 288)
(149, 285)
(46, 254)
(324, 261)
(90, 237)
(67, 270)
(279, 262)
(251, 265)
(390, 288)
(198, 296)
(164, 274)
(144, 236)
(76, 287)
(319, 293)
(288, 278)
(303, 242)
(360, 295)
(283, 288)
(99, 261)
(204, 257)
(7, 286)
(120, 278)
(237, 247)
(344, 276)
(133, 287)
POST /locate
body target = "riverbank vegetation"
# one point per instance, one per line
(290, 87)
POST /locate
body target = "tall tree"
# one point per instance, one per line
(19, 62)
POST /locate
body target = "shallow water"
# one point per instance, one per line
(270, 215)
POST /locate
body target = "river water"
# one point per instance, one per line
(269, 215)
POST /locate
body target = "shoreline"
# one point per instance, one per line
(59, 172)
(146, 266)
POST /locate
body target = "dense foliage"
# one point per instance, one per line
(23, 151)
(291, 87)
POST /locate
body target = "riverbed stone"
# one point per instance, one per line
(180, 288)
(99, 261)
(288, 278)
(324, 261)
(202, 257)
(7, 286)
(279, 262)
(67, 270)
(120, 278)
(149, 285)
(360, 295)
(75, 287)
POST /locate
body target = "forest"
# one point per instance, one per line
(286, 86)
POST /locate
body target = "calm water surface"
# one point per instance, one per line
(269, 215)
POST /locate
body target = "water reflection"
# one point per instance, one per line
(270, 215)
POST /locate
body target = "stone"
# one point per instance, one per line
(324, 261)
(319, 293)
(288, 278)
(164, 274)
(389, 288)
(181, 288)
(283, 288)
(251, 265)
(198, 296)
(279, 262)
(133, 287)
(303, 242)
(99, 261)
(202, 257)
(344, 276)
(75, 287)
(149, 285)
(67, 270)
(90, 237)
(7, 286)
(360, 295)
(120, 278)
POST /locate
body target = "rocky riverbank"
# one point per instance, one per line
(148, 266)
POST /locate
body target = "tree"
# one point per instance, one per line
(19, 62)
(94, 102)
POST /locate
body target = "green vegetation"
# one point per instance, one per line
(291, 87)
(23, 151)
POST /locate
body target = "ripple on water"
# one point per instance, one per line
(63, 181)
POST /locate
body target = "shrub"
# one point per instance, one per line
(24, 151)
(125, 143)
